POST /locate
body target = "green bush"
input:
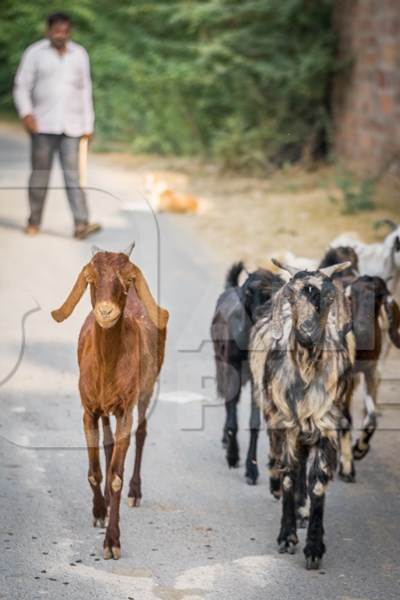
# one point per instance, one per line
(243, 81)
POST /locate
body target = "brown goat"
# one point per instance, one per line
(120, 353)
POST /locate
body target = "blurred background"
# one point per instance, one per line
(252, 84)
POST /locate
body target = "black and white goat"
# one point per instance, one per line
(368, 295)
(233, 319)
(301, 357)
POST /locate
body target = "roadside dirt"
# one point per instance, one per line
(253, 218)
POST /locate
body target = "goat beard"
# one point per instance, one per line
(310, 341)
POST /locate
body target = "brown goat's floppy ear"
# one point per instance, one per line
(74, 296)
(158, 315)
(393, 315)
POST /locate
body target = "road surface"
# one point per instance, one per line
(201, 532)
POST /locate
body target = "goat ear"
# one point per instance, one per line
(158, 315)
(393, 315)
(329, 271)
(74, 296)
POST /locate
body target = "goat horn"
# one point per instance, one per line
(387, 222)
(128, 250)
(329, 271)
(291, 270)
(95, 250)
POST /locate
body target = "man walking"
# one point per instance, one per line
(53, 96)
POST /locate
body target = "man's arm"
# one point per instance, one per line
(23, 86)
(88, 110)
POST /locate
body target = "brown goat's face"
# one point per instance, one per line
(109, 275)
(311, 296)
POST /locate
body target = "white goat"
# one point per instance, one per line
(379, 259)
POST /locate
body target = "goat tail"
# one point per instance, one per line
(232, 276)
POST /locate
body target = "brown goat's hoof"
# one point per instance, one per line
(312, 564)
(99, 523)
(113, 552)
(133, 502)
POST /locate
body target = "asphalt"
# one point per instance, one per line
(201, 532)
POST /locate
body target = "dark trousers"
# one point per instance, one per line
(43, 148)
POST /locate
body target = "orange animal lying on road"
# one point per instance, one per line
(120, 354)
(163, 199)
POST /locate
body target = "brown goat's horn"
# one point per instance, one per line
(95, 250)
(128, 250)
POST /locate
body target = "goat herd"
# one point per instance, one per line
(302, 337)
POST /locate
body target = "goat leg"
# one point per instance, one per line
(91, 427)
(112, 545)
(135, 484)
(108, 444)
(275, 466)
(321, 473)
(232, 450)
(287, 539)
(347, 472)
(251, 461)
(361, 447)
(301, 495)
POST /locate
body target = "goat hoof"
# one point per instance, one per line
(287, 546)
(312, 564)
(359, 453)
(347, 477)
(302, 522)
(251, 481)
(113, 552)
(275, 488)
(133, 502)
(99, 523)
(251, 473)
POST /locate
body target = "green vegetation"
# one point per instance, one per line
(356, 195)
(242, 81)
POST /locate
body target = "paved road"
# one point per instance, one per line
(201, 532)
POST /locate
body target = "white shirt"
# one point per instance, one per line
(55, 88)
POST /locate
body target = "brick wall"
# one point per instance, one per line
(366, 96)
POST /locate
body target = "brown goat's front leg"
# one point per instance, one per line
(91, 426)
(321, 472)
(108, 444)
(276, 439)
(135, 484)
(112, 546)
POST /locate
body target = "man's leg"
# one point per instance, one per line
(42, 152)
(69, 158)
